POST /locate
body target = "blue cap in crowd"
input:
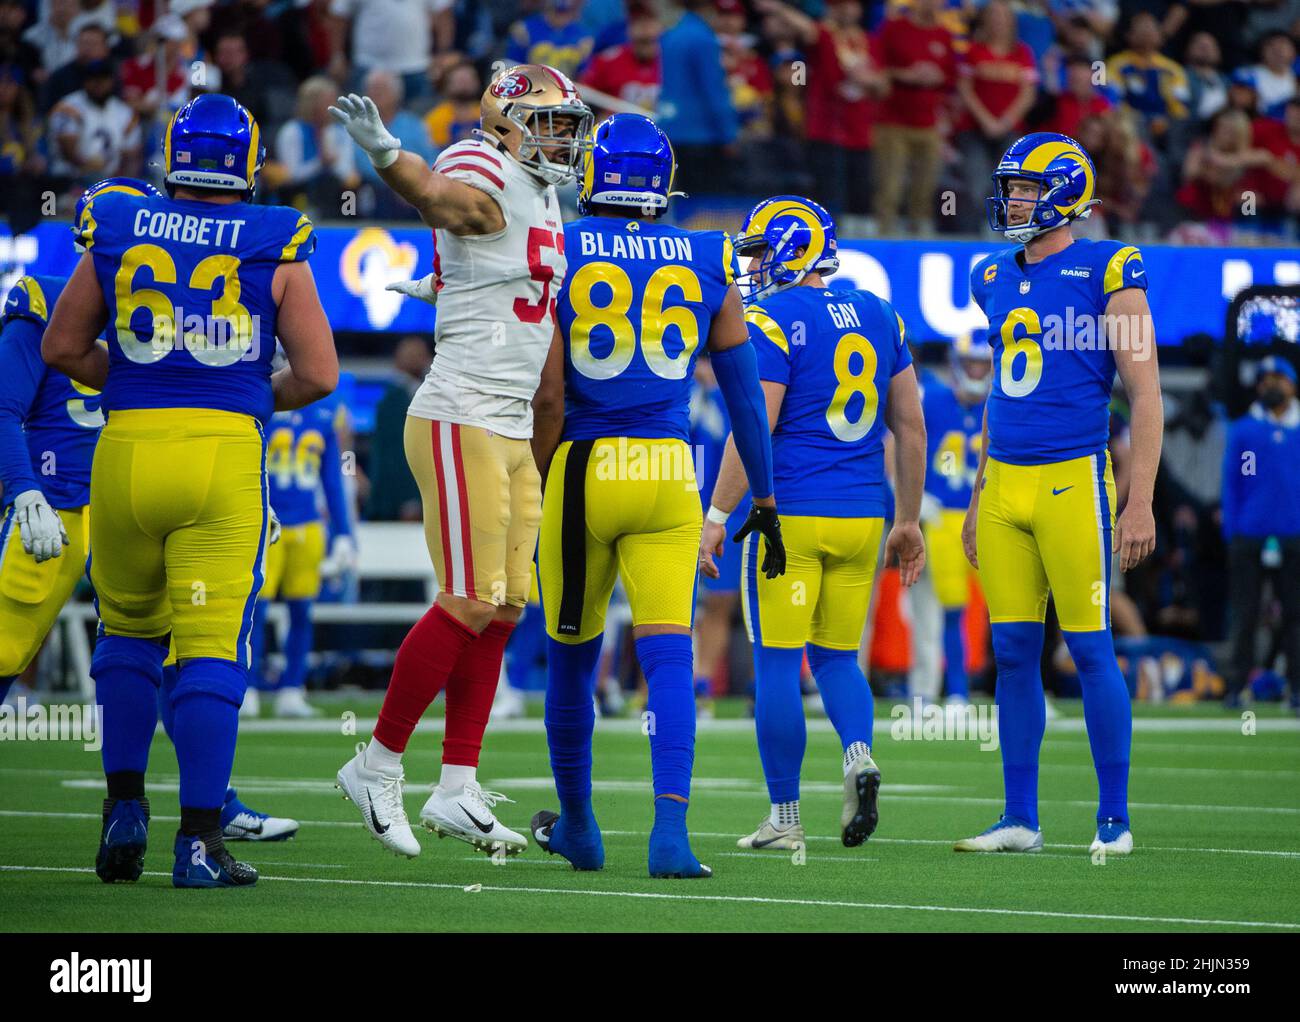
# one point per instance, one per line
(1281, 366)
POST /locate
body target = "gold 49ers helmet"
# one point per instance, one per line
(525, 108)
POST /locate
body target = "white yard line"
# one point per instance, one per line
(732, 899)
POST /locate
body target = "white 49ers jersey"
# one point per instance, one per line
(496, 298)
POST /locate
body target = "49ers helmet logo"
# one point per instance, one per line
(512, 86)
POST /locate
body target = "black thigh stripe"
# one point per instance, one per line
(573, 538)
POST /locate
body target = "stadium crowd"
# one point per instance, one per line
(888, 109)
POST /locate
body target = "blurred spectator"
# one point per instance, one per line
(917, 54)
(393, 493)
(255, 21)
(14, 49)
(1261, 522)
(457, 116)
(197, 16)
(385, 88)
(1242, 94)
(695, 109)
(54, 35)
(844, 82)
(997, 84)
(555, 37)
(160, 47)
(265, 88)
(748, 76)
(1075, 40)
(91, 48)
(1126, 167)
(314, 157)
(1079, 100)
(1147, 80)
(1207, 84)
(1223, 19)
(1282, 140)
(93, 133)
(1274, 75)
(1224, 175)
(629, 72)
(19, 131)
(396, 35)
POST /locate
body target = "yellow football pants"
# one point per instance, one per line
(31, 594)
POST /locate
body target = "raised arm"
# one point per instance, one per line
(441, 201)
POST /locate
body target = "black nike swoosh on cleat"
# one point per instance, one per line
(253, 830)
(374, 820)
(764, 844)
(486, 828)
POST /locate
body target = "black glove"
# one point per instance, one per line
(764, 521)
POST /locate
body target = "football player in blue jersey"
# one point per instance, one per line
(302, 460)
(194, 289)
(710, 427)
(611, 425)
(954, 428)
(836, 372)
(1064, 315)
(49, 421)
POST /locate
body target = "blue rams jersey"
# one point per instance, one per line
(954, 433)
(1053, 367)
(836, 352)
(636, 306)
(302, 458)
(191, 315)
(48, 423)
(710, 427)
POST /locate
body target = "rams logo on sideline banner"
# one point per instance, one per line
(371, 261)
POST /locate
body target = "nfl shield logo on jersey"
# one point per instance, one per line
(1024, 287)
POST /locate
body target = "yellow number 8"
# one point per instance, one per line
(862, 382)
(1013, 346)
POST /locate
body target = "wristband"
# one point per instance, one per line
(717, 516)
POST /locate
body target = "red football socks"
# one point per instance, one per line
(470, 691)
(425, 661)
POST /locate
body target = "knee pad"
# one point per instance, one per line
(114, 652)
(224, 679)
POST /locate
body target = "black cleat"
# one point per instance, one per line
(123, 840)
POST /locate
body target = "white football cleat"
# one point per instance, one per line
(240, 823)
(379, 798)
(768, 837)
(251, 707)
(509, 703)
(859, 816)
(1113, 838)
(467, 815)
(292, 703)
(1004, 836)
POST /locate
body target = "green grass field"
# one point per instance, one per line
(1216, 819)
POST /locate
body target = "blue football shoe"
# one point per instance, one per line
(671, 857)
(581, 846)
(123, 840)
(202, 861)
(239, 823)
(1007, 835)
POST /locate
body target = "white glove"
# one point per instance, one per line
(39, 525)
(425, 289)
(342, 559)
(360, 116)
(931, 509)
(273, 536)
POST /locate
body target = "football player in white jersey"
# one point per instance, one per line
(498, 264)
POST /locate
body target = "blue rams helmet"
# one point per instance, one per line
(125, 185)
(1066, 182)
(969, 352)
(793, 237)
(213, 142)
(630, 163)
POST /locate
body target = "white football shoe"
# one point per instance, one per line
(251, 707)
(240, 823)
(509, 703)
(292, 703)
(1113, 838)
(860, 815)
(466, 814)
(1004, 836)
(768, 837)
(379, 798)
